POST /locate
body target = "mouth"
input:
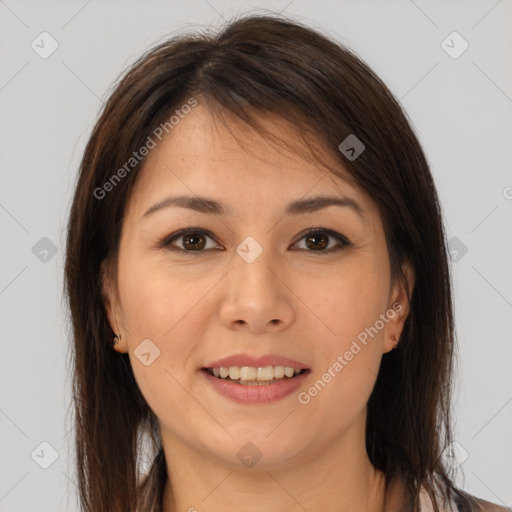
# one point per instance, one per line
(255, 376)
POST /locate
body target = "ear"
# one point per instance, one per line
(110, 302)
(399, 307)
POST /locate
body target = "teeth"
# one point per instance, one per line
(278, 372)
(234, 372)
(250, 374)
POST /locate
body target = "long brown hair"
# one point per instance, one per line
(262, 65)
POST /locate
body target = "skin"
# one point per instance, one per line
(202, 306)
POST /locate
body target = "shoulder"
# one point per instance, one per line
(426, 504)
(487, 506)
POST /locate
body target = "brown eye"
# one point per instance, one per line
(194, 241)
(317, 240)
(190, 241)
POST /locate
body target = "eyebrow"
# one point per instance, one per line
(210, 206)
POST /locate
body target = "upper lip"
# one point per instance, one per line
(258, 362)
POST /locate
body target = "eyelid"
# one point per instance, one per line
(166, 242)
(342, 239)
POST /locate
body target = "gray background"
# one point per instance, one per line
(461, 108)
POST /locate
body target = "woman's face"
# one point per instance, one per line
(250, 283)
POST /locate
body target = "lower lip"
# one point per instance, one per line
(256, 394)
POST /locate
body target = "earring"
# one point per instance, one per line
(117, 337)
(396, 340)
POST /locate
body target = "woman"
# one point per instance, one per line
(256, 227)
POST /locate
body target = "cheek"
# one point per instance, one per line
(166, 309)
(349, 354)
(350, 301)
(156, 299)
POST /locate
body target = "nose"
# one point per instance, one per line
(257, 298)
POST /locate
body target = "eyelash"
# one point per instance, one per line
(167, 241)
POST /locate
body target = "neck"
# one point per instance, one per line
(340, 478)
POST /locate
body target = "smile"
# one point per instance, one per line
(255, 376)
(267, 386)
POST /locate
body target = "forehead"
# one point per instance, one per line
(205, 155)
